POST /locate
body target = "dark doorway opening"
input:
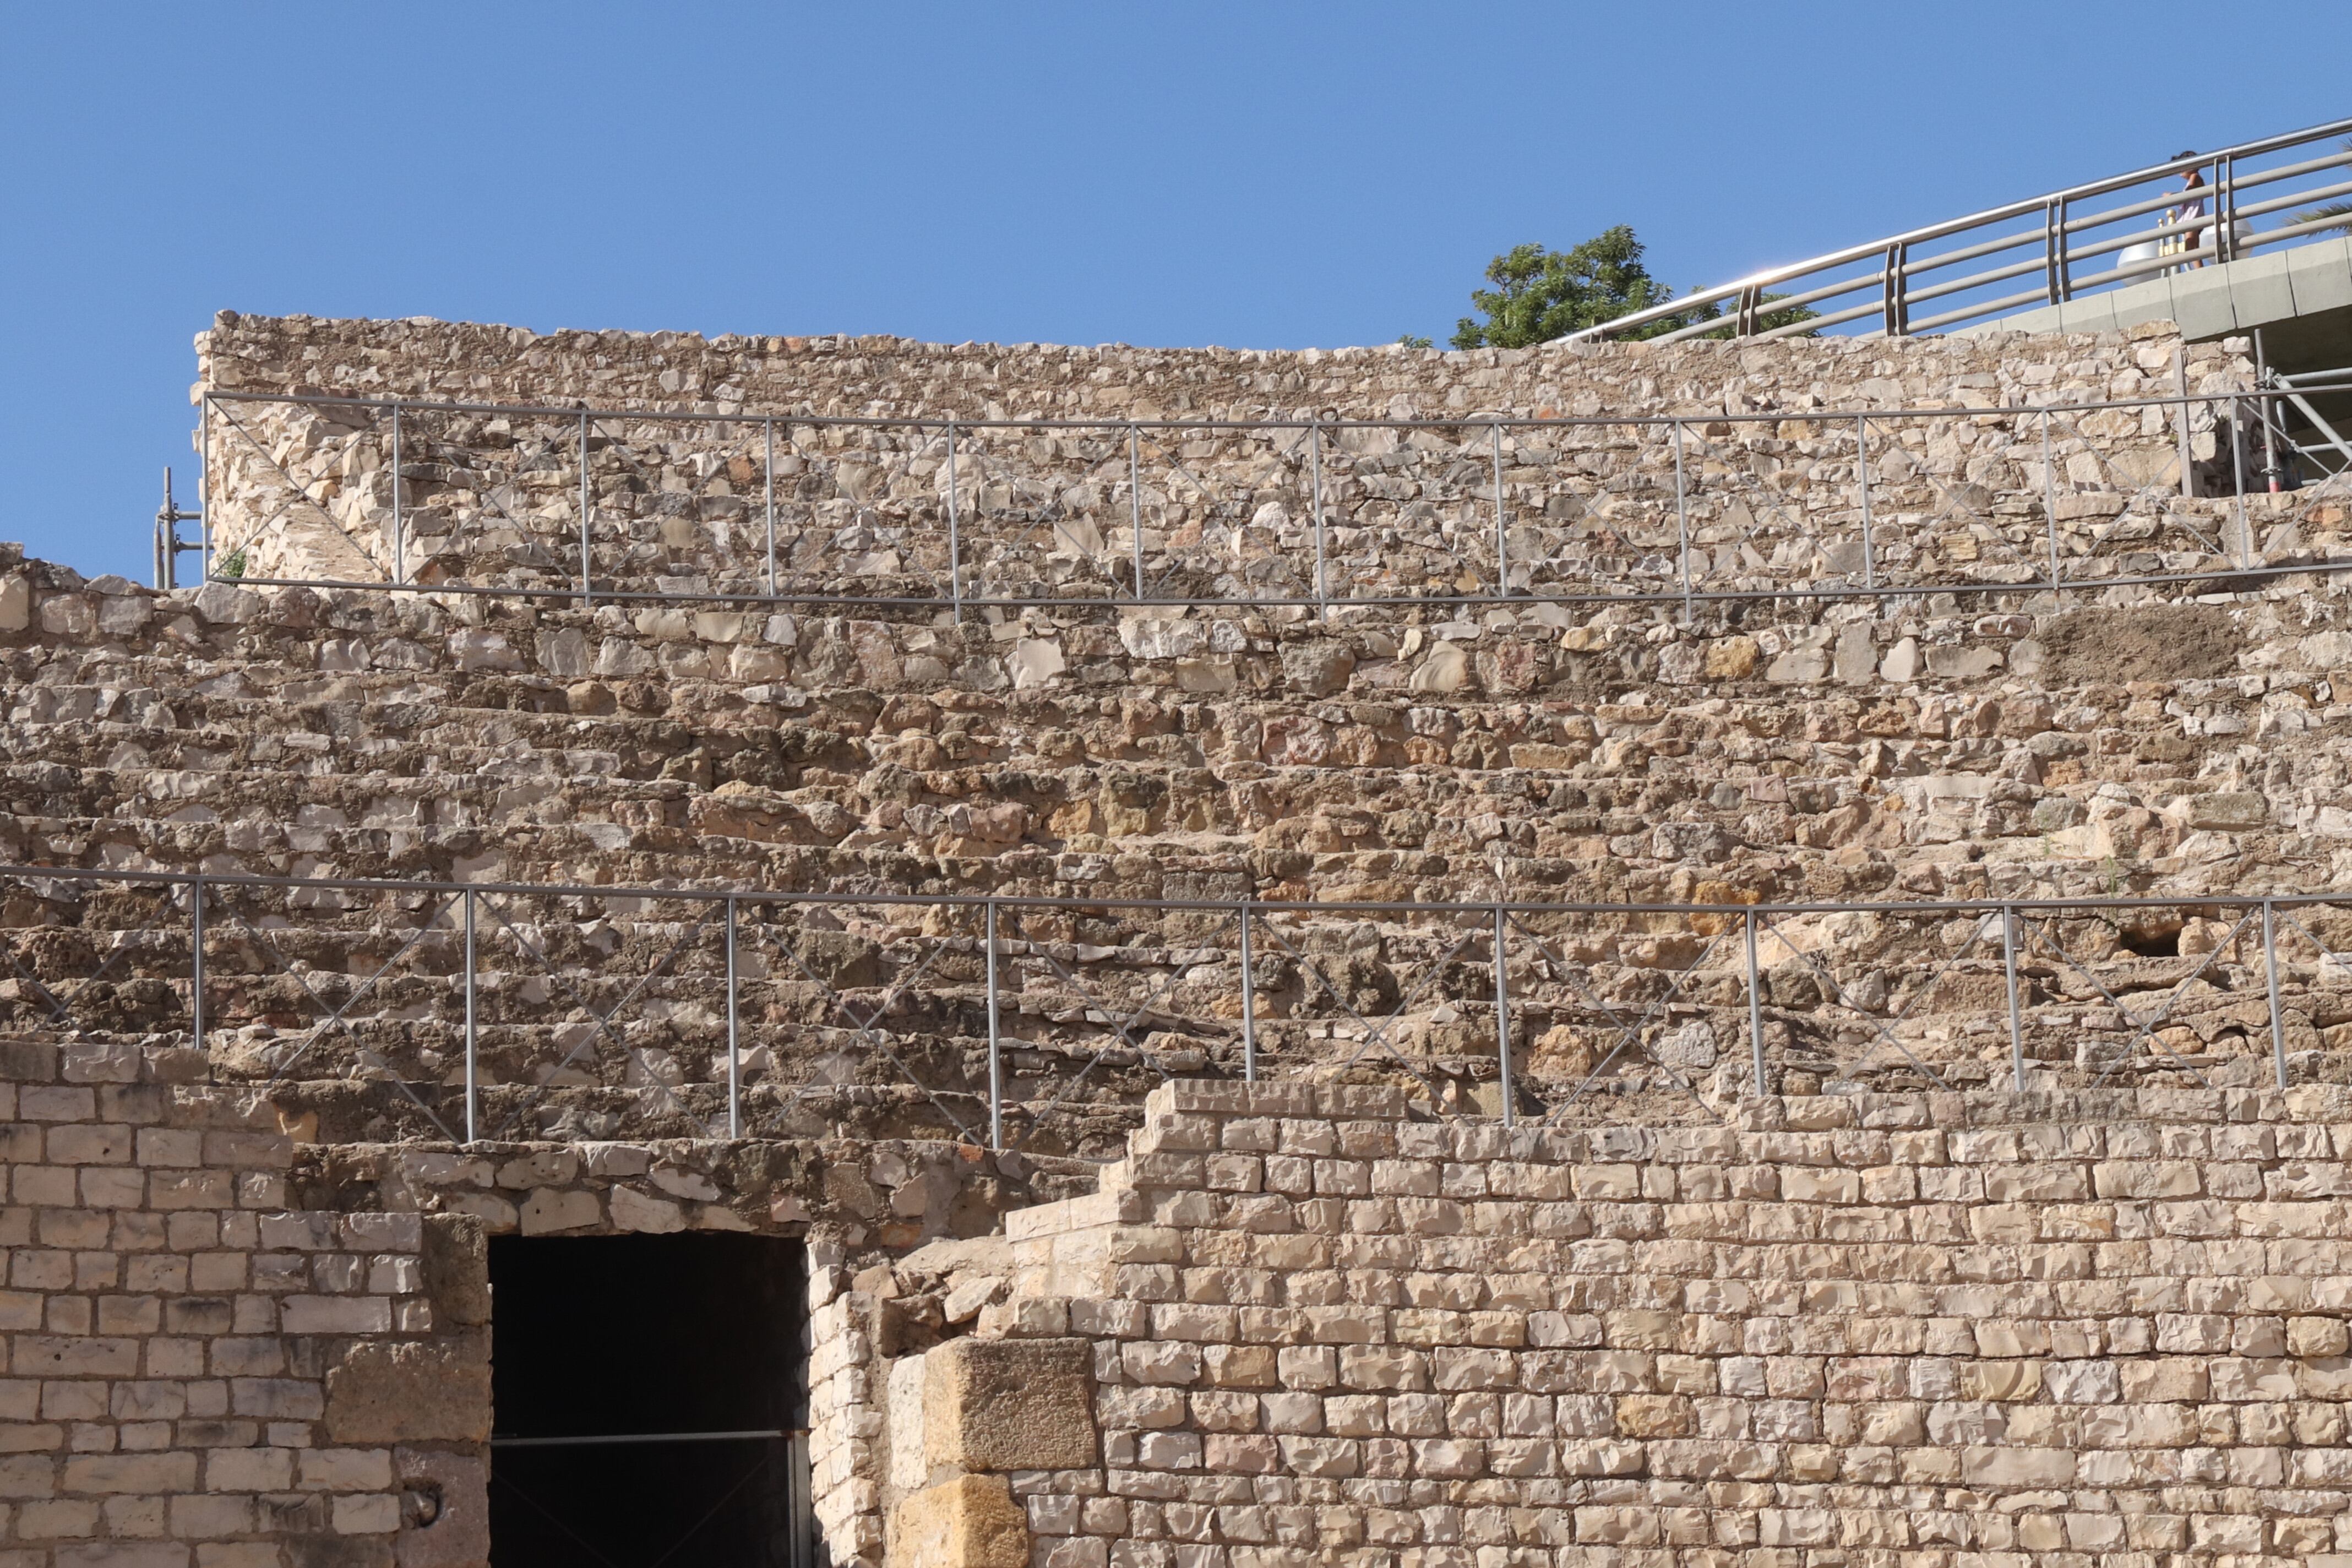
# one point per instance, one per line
(647, 1399)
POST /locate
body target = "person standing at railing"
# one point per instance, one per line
(2185, 217)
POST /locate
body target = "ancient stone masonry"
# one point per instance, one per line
(1848, 1329)
(525, 916)
(672, 466)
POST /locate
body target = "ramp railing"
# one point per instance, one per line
(2040, 251)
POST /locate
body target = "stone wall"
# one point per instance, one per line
(1985, 493)
(1324, 1331)
(1316, 1320)
(229, 1346)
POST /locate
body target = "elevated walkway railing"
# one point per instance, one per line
(2041, 251)
(648, 505)
(1004, 1021)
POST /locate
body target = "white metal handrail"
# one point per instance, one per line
(2228, 172)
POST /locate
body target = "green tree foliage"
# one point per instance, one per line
(1541, 294)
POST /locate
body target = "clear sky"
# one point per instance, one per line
(1257, 174)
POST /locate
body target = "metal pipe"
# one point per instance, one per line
(955, 545)
(473, 1039)
(2180, 424)
(1767, 416)
(1502, 538)
(1682, 521)
(399, 550)
(2270, 431)
(2016, 1025)
(1135, 504)
(2050, 496)
(1619, 326)
(1503, 1015)
(996, 1051)
(196, 963)
(1249, 1005)
(2270, 979)
(204, 488)
(768, 473)
(760, 1434)
(1322, 583)
(1861, 482)
(734, 1043)
(2238, 473)
(1222, 905)
(1755, 1014)
(586, 599)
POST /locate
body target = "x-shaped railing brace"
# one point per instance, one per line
(1378, 1033)
(1037, 1117)
(603, 1021)
(301, 496)
(2172, 998)
(1627, 1034)
(864, 1027)
(61, 1008)
(335, 1014)
(1885, 1027)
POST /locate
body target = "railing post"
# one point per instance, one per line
(2225, 210)
(2238, 477)
(734, 1042)
(2270, 977)
(955, 543)
(473, 1040)
(196, 961)
(2180, 421)
(1249, 1006)
(1893, 307)
(768, 469)
(1755, 1012)
(1503, 1013)
(399, 545)
(1315, 457)
(1682, 520)
(1502, 534)
(2049, 494)
(586, 599)
(204, 490)
(2008, 973)
(996, 1051)
(1861, 482)
(1135, 504)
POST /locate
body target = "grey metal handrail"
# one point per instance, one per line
(1498, 496)
(2028, 931)
(2055, 237)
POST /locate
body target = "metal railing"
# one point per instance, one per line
(635, 505)
(2253, 198)
(1035, 1022)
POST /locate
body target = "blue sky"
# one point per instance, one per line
(1262, 174)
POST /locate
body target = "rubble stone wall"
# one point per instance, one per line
(1983, 493)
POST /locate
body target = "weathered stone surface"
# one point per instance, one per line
(1010, 1405)
(411, 1392)
(970, 1521)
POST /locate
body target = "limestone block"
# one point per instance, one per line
(1902, 661)
(1010, 1405)
(1447, 668)
(1035, 661)
(411, 1390)
(15, 604)
(444, 1510)
(970, 1521)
